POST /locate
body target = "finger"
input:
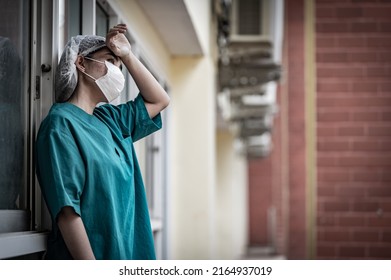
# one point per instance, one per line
(121, 28)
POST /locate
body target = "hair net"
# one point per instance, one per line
(66, 73)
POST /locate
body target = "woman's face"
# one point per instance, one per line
(98, 70)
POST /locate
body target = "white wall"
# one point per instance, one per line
(200, 13)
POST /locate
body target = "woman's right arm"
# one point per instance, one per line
(74, 234)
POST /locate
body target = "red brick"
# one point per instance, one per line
(363, 57)
(380, 221)
(331, 1)
(324, 220)
(385, 145)
(339, 72)
(367, 161)
(326, 251)
(325, 42)
(326, 131)
(332, 27)
(363, 206)
(351, 131)
(366, 176)
(333, 145)
(384, 130)
(383, 252)
(386, 176)
(374, 191)
(347, 221)
(333, 116)
(380, 71)
(366, 236)
(352, 252)
(386, 116)
(366, 116)
(377, 12)
(368, 86)
(384, 56)
(386, 236)
(333, 176)
(326, 160)
(328, 191)
(329, 57)
(367, 145)
(354, 101)
(386, 206)
(379, 42)
(336, 236)
(385, 87)
(336, 206)
(362, 27)
(324, 12)
(333, 86)
(385, 27)
(349, 12)
(352, 42)
(351, 192)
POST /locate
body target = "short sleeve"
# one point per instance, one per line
(132, 118)
(60, 171)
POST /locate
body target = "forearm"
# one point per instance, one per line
(154, 95)
(75, 235)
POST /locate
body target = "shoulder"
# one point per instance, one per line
(58, 120)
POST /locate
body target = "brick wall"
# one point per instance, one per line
(353, 64)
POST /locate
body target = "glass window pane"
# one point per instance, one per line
(102, 21)
(249, 17)
(69, 21)
(14, 63)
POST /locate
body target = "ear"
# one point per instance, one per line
(80, 63)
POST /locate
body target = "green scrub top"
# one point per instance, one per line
(88, 162)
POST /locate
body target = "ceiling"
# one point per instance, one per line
(173, 23)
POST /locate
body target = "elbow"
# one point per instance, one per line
(165, 102)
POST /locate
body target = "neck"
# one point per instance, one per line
(84, 98)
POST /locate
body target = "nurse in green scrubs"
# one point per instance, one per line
(86, 163)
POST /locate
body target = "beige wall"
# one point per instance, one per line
(231, 199)
(193, 158)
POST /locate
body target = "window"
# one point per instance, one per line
(102, 21)
(14, 79)
(16, 170)
(250, 20)
(69, 21)
(249, 17)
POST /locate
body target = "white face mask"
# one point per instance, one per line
(110, 84)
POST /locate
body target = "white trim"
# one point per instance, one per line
(22, 243)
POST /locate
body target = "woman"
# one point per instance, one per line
(86, 163)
